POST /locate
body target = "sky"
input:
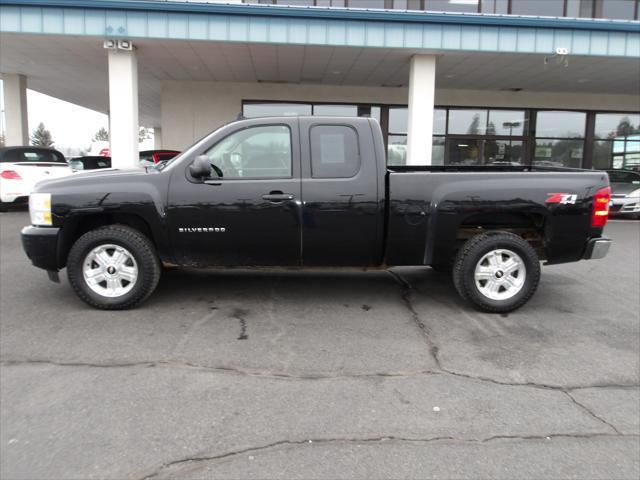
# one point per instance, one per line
(71, 126)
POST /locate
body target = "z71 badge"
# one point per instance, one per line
(202, 229)
(562, 198)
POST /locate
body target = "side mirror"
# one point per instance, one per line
(200, 167)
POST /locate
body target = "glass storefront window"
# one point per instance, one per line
(506, 122)
(548, 8)
(397, 150)
(439, 121)
(467, 121)
(463, 151)
(437, 151)
(495, 6)
(251, 110)
(618, 9)
(560, 124)
(559, 152)
(580, 8)
(367, 4)
(610, 125)
(503, 152)
(398, 119)
(452, 5)
(336, 110)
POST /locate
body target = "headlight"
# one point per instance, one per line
(40, 209)
(635, 193)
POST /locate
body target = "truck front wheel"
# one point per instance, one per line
(496, 272)
(113, 267)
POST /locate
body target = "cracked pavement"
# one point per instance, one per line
(322, 375)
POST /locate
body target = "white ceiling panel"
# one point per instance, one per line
(75, 69)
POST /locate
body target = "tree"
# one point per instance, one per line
(625, 128)
(474, 127)
(143, 135)
(41, 137)
(101, 135)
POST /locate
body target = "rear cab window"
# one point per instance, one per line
(334, 151)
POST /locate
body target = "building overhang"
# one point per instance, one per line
(427, 31)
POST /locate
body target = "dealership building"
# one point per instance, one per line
(451, 82)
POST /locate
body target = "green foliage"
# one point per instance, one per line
(101, 135)
(41, 137)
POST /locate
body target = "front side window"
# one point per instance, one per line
(256, 152)
(334, 151)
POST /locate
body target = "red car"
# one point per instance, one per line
(151, 157)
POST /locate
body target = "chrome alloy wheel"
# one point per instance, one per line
(500, 274)
(110, 270)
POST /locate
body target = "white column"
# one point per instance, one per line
(15, 109)
(157, 138)
(123, 108)
(422, 87)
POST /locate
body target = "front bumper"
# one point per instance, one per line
(597, 248)
(41, 246)
(624, 206)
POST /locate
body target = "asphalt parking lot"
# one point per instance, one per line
(322, 375)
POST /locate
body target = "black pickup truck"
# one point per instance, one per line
(303, 192)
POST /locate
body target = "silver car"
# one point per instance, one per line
(625, 193)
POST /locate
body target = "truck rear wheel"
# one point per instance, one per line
(113, 267)
(496, 272)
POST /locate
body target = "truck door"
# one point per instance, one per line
(342, 212)
(250, 215)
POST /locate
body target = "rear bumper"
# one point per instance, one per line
(41, 246)
(597, 248)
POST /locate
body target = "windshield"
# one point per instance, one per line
(35, 155)
(618, 176)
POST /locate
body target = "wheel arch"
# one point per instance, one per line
(76, 226)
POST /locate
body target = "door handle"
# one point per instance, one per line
(277, 197)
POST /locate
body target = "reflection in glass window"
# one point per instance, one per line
(336, 110)
(334, 151)
(617, 9)
(548, 8)
(437, 151)
(439, 121)
(610, 125)
(464, 151)
(398, 119)
(560, 124)
(452, 5)
(467, 121)
(503, 152)
(559, 153)
(252, 110)
(397, 150)
(506, 122)
(256, 152)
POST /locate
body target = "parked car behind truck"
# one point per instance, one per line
(22, 167)
(314, 191)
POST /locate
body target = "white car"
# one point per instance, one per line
(22, 167)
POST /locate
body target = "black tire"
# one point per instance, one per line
(473, 251)
(4, 207)
(140, 248)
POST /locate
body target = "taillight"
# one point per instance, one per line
(600, 208)
(10, 175)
